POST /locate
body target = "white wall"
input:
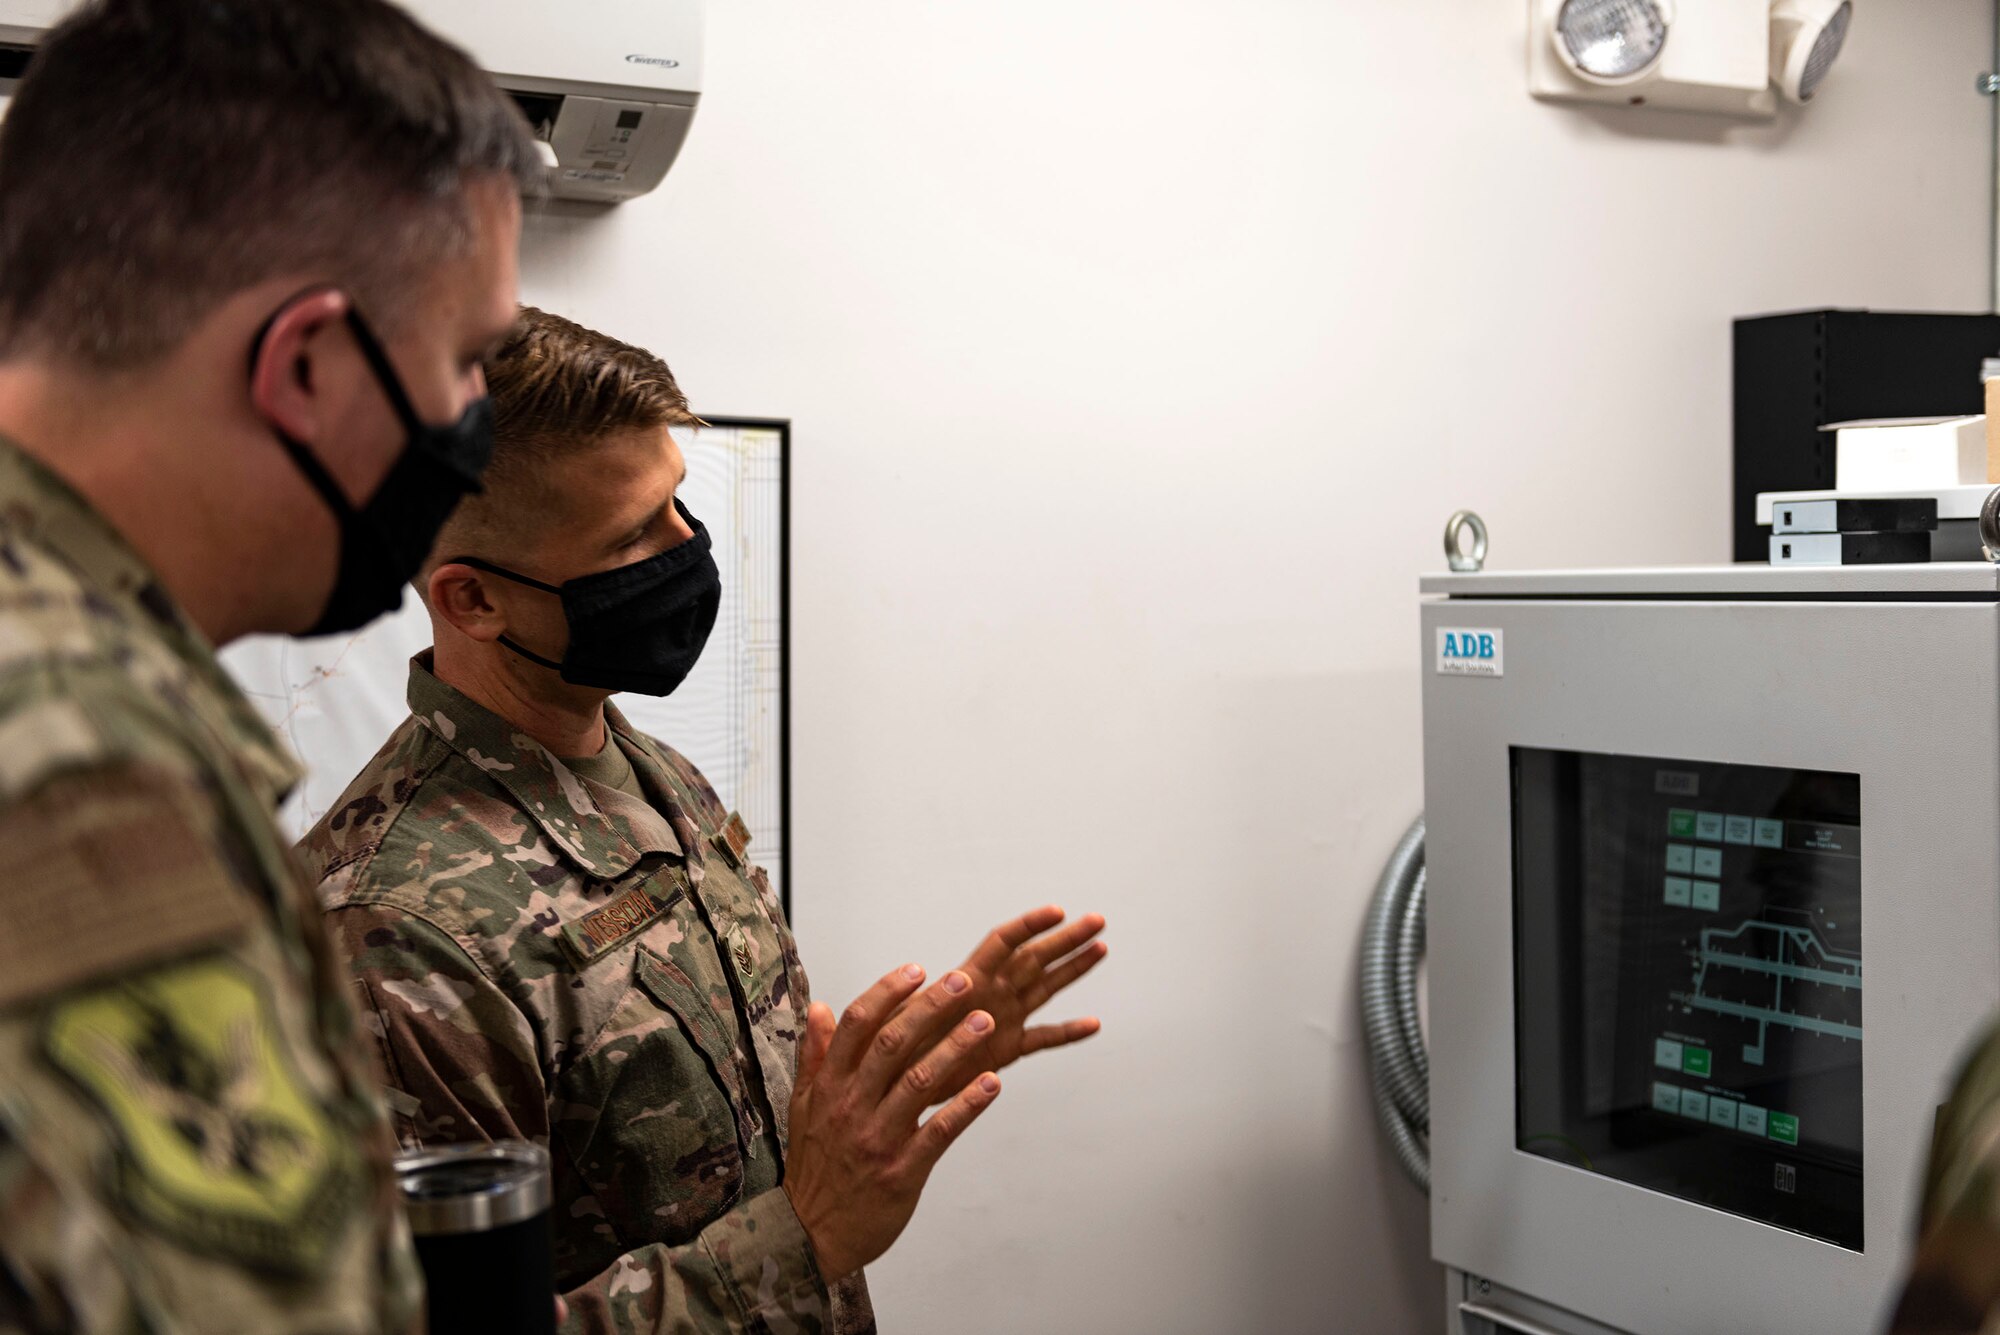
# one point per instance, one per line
(1138, 350)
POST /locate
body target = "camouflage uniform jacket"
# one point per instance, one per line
(190, 1137)
(1954, 1284)
(548, 958)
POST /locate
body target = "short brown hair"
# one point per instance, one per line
(557, 385)
(161, 155)
(552, 380)
(557, 388)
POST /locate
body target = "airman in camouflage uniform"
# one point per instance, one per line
(547, 957)
(1954, 1284)
(188, 1129)
(206, 439)
(557, 932)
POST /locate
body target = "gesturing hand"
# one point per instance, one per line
(1015, 972)
(858, 1157)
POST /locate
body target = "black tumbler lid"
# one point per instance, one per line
(473, 1188)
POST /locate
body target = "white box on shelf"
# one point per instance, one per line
(1909, 453)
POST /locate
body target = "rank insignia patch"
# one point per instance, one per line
(222, 1147)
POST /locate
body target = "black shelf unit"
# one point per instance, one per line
(1797, 372)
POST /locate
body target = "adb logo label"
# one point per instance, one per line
(1471, 653)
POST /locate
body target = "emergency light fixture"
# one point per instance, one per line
(1725, 57)
(1806, 37)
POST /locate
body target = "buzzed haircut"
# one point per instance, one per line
(162, 155)
(558, 389)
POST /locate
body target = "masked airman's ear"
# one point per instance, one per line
(456, 594)
(285, 361)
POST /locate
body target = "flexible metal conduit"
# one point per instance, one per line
(1392, 948)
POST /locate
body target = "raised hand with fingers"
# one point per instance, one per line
(1015, 972)
(859, 1155)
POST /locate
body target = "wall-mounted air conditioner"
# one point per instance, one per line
(610, 86)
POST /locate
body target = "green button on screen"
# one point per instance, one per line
(1784, 1127)
(1695, 1061)
(1680, 824)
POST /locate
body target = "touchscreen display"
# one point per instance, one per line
(1688, 981)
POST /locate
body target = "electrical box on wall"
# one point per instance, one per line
(609, 87)
(1713, 56)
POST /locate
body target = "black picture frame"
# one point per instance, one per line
(783, 426)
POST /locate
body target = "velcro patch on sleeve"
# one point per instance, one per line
(734, 841)
(223, 1147)
(601, 929)
(107, 869)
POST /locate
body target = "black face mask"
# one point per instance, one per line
(633, 628)
(383, 543)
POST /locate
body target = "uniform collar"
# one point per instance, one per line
(678, 792)
(46, 511)
(605, 841)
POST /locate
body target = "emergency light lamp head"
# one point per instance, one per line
(1806, 37)
(1612, 41)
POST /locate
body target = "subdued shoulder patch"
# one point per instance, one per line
(222, 1146)
(598, 931)
(107, 869)
(734, 841)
